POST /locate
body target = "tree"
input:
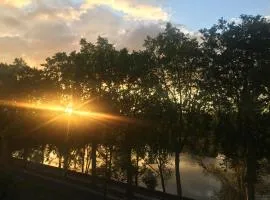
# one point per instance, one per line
(174, 58)
(150, 180)
(237, 62)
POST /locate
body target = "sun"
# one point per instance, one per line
(69, 110)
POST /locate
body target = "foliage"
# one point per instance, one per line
(176, 95)
(150, 180)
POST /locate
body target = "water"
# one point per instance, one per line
(195, 183)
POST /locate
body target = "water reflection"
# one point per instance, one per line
(195, 182)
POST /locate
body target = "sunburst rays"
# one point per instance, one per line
(72, 113)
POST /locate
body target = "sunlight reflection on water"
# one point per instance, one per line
(195, 183)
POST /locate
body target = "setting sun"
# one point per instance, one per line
(69, 110)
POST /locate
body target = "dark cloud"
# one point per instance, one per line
(10, 21)
(55, 33)
(12, 45)
(134, 37)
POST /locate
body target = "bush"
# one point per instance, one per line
(150, 180)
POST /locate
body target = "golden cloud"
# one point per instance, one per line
(131, 9)
(17, 3)
(49, 27)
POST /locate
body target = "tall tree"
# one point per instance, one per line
(238, 62)
(174, 58)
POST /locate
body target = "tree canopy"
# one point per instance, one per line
(206, 96)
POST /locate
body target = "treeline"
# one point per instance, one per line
(206, 96)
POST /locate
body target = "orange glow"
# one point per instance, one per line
(68, 110)
(102, 116)
(36, 106)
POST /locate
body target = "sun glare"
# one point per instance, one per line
(69, 110)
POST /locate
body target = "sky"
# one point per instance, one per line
(37, 29)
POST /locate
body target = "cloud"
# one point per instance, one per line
(236, 20)
(119, 31)
(37, 29)
(132, 9)
(17, 3)
(10, 45)
(133, 38)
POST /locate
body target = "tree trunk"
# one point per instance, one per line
(250, 192)
(43, 149)
(88, 160)
(110, 163)
(60, 160)
(106, 173)
(83, 161)
(251, 168)
(87, 164)
(177, 175)
(129, 193)
(94, 162)
(5, 152)
(137, 169)
(66, 159)
(161, 177)
(75, 163)
(25, 153)
(65, 163)
(25, 156)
